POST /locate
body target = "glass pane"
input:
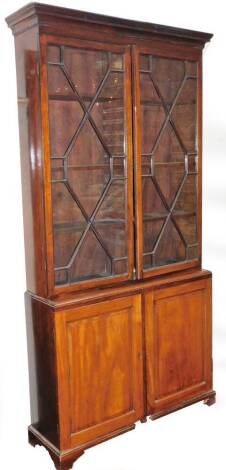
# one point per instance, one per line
(86, 69)
(88, 168)
(152, 229)
(65, 209)
(144, 61)
(169, 160)
(53, 54)
(169, 178)
(192, 252)
(169, 148)
(184, 114)
(153, 114)
(187, 199)
(65, 241)
(171, 248)
(91, 261)
(153, 206)
(88, 163)
(116, 61)
(64, 119)
(188, 226)
(110, 222)
(68, 224)
(120, 266)
(191, 69)
(108, 113)
(168, 74)
(58, 83)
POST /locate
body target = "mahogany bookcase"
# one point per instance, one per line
(118, 306)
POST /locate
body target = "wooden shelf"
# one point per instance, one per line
(160, 104)
(80, 226)
(164, 164)
(161, 215)
(73, 97)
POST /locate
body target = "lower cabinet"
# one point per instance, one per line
(100, 369)
(97, 368)
(178, 345)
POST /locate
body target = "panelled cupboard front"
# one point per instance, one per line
(118, 306)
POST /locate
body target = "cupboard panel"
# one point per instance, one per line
(101, 357)
(178, 342)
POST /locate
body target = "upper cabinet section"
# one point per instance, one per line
(110, 116)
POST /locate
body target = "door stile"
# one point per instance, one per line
(47, 165)
(129, 154)
(137, 163)
(199, 178)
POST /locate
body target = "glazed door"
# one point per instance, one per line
(168, 157)
(100, 368)
(86, 100)
(178, 345)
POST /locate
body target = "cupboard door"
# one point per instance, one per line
(99, 351)
(167, 155)
(88, 155)
(178, 344)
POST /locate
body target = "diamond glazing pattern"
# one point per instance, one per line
(169, 160)
(88, 159)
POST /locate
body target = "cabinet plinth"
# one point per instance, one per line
(118, 307)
